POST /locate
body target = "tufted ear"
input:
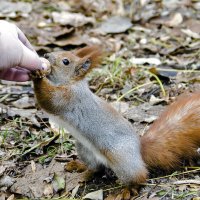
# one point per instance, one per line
(90, 58)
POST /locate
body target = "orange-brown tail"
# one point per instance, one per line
(175, 135)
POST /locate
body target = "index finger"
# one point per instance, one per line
(24, 40)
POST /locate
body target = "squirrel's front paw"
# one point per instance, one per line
(37, 74)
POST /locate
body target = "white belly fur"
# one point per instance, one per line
(78, 136)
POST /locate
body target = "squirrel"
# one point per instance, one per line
(104, 137)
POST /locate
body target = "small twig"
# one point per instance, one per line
(197, 182)
(113, 188)
(170, 70)
(159, 82)
(171, 175)
(43, 143)
(154, 184)
(4, 97)
(133, 89)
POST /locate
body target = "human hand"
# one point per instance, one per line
(17, 56)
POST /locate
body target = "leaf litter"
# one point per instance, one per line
(153, 56)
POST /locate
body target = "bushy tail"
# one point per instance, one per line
(175, 135)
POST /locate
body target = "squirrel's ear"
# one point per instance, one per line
(88, 62)
(83, 68)
(87, 50)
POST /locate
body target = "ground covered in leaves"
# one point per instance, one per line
(152, 54)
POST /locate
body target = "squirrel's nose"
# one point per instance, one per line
(46, 55)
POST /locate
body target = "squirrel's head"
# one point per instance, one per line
(67, 66)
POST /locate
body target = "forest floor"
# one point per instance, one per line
(152, 56)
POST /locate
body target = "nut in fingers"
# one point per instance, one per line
(41, 73)
(37, 74)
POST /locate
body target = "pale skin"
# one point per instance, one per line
(17, 56)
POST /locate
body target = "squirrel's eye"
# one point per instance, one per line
(65, 61)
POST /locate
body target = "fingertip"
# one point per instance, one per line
(45, 64)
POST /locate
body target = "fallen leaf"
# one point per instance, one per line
(21, 112)
(32, 185)
(141, 61)
(58, 182)
(33, 166)
(74, 191)
(24, 102)
(97, 195)
(24, 113)
(197, 5)
(73, 19)
(116, 24)
(190, 33)
(154, 100)
(48, 190)
(14, 9)
(176, 20)
(193, 25)
(98, 6)
(143, 113)
(6, 181)
(11, 197)
(120, 106)
(2, 170)
(73, 179)
(72, 40)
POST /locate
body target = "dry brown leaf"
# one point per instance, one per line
(33, 185)
(72, 40)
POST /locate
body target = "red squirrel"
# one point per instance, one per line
(104, 137)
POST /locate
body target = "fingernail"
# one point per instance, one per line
(44, 66)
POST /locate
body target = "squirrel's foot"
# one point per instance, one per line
(80, 167)
(75, 165)
(123, 194)
(37, 74)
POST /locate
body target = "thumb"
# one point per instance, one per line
(30, 60)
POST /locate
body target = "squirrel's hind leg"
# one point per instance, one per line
(129, 169)
(88, 157)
